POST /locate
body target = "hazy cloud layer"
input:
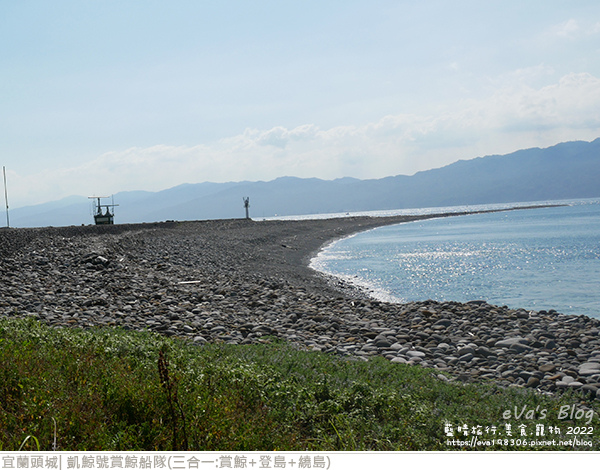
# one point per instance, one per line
(512, 117)
(101, 97)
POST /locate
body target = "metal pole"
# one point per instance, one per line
(6, 197)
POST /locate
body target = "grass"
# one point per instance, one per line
(110, 389)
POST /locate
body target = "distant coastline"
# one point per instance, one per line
(564, 171)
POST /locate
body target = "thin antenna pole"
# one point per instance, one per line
(6, 197)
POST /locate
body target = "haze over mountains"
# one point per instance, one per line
(565, 171)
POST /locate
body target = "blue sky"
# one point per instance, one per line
(103, 96)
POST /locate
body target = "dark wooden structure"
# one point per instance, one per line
(105, 217)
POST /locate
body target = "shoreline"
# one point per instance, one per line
(355, 282)
(242, 282)
(356, 289)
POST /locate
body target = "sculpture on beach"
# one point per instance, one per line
(247, 206)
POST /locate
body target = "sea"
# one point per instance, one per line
(541, 258)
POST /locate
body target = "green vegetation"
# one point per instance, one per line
(110, 389)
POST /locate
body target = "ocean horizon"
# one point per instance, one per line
(543, 258)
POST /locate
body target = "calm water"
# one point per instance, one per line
(539, 259)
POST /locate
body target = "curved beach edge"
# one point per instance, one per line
(243, 282)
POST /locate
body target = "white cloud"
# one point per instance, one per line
(570, 103)
(568, 29)
(524, 76)
(575, 29)
(280, 136)
(513, 117)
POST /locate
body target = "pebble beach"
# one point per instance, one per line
(243, 281)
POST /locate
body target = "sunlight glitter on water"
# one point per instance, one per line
(535, 259)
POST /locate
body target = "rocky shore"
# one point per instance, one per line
(241, 281)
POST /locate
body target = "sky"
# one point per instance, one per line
(102, 96)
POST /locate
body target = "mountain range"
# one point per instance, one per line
(568, 170)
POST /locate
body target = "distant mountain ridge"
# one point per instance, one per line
(565, 171)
